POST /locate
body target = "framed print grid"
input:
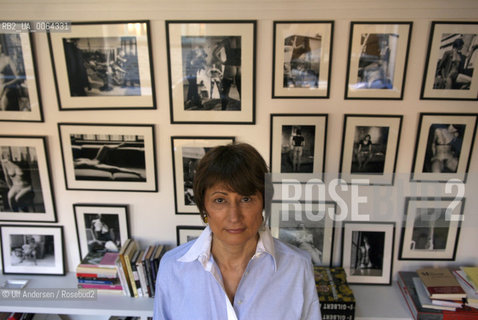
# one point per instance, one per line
(377, 61)
(20, 94)
(298, 146)
(451, 59)
(187, 151)
(301, 60)
(100, 227)
(35, 250)
(367, 252)
(109, 157)
(370, 148)
(103, 65)
(431, 228)
(26, 193)
(307, 225)
(188, 233)
(212, 71)
(443, 147)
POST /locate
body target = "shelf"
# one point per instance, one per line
(105, 304)
(372, 302)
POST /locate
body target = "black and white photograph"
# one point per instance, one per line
(25, 188)
(378, 54)
(187, 151)
(104, 66)
(311, 228)
(212, 67)
(108, 157)
(187, 233)
(444, 145)
(32, 250)
(298, 146)
(431, 228)
(370, 147)
(19, 96)
(452, 55)
(100, 227)
(302, 58)
(367, 252)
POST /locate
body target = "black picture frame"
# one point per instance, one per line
(312, 232)
(111, 222)
(186, 152)
(377, 60)
(187, 233)
(307, 75)
(109, 157)
(373, 161)
(439, 83)
(21, 100)
(444, 146)
(300, 159)
(222, 53)
(25, 162)
(32, 250)
(431, 228)
(374, 263)
(103, 65)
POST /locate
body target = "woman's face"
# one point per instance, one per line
(234, 219)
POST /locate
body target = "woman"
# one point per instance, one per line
(19, 181)
(10, 81)
(364, 151)
(235, 269)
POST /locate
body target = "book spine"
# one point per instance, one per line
(130, 276)
(122, 277)
(149, 277)
(137, 282)
(100, 286)
(95, 275)
(142, 278)
(85, 281)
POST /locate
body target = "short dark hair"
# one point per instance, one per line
(238, 166)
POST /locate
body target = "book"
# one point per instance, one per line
(128, 255)
(440, 283)
(122, 277)
(134, 269)
(101, 286)
(123, 265)
(142, 273)
(99, 260)
(471, 295)
(95, 274)
(96, 281)
(424, 299)
(149, 272)
(407, 288)
(336, 298)
(472, 275)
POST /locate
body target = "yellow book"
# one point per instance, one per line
(128, 255)
(472, 275)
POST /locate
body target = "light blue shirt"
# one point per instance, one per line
(278, 283)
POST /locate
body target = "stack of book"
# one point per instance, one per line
(468, 279)
(337, 300)
(137, 268)
(435, 294)
(98, 271)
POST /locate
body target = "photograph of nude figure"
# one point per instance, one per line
(444, 146)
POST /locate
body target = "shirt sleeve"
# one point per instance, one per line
(311, 309)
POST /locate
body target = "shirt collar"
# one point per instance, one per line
(201, 248)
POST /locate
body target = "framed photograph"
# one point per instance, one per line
(443, 147)
(188, 233)
(451, 58)
(301, 59)
(103, 65)
(100, 227)
(19, 91)
(35, 250)
(110, 157)
(212, 71)
(431, 228)
(298, 146)
(26, 192)
(187, 151)
(306, 225)
(370, 147)
(367, 252)
(377, 63)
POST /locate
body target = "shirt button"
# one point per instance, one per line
(239, 302)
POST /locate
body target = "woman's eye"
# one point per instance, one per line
(246, 199)
(219, 200)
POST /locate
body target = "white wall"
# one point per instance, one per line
(152, 216)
